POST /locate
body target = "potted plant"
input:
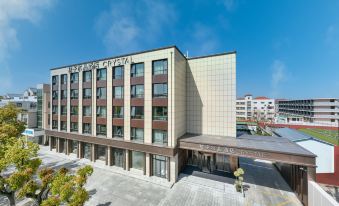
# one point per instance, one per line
(239, 179)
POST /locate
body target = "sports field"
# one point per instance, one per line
(330, 136)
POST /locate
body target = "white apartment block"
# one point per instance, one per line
(258, 108)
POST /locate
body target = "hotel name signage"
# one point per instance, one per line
(233, 151)
(95, 65)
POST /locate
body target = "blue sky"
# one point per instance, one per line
(285, 49)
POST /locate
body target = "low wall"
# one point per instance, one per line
(331, 178)
(318, 197)
(299, 126)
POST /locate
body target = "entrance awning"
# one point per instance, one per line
(275, 149)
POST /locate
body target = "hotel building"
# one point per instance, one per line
(130, 111)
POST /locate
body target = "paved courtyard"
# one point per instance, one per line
(113, 187)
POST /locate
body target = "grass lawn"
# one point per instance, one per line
(322, 134)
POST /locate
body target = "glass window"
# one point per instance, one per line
(118, 157)
(54, 80)
(118, 72)
(74, 146)
(137, 70)
(74, 94)
(74, 77)
(54, 109)
(63, 110)
(55, 95)
(101, 93)
(118, 92)
(160, 90)
(87, 76)
(137, 91)
(101, 74)
(159, 166)
(74, 126)
(101, 111)
(101, 129)
(118, 131)
(160, 67)
(87, 93)
(54, 124)
(138, 160)
(63, 125)
(74, 110)
(64, 79)
(87, 111)
(63, 94)
(137, 112)
(159, 113)
(118, 112)
(101, 152)
(87, 148)
(86, 128)
(137, 134)
(159, 137)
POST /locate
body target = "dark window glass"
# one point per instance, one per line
(159, 113)
(118, 112)
(118, 157)
(87, 93)
(87, 76)
(74, 110)
(55, 95)
(64, 79)
(137, 70)
(63, 110)
(101, 129)
(74, 146)
(137, 91)
(86, 128)
(118, 92)
(54, 80)
(118, 131)
(159, 137)
(138, 160)
(137, 134)
(101, 152)
(87, 111)
(63, 125)
(137, 112)
(54, 109)
(74, 78)
(74, 94)
(160, 67)
(118, 72)
(101, 111)
(54, 124)
(160, 90)
(159, 164)
(101, 93)
(63, 94)
(101, 74)
(74, 126)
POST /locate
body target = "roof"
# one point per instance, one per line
(145, 51)
(261, 97)
(255, 142)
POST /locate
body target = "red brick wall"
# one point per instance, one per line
(298, 126)
(331, 178)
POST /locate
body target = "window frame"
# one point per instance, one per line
(162, 95)
(133, 112)
(162, 117)
(122, 72)
(134, 91)
(134, 134)
(134, 69)
(164, 70)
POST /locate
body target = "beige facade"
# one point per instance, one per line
(200, 98)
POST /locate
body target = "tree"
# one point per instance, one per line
(239, 175)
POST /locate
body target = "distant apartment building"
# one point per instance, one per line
(258, 108)
(321, 111)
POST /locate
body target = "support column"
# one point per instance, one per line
(50, 144)
(128, 158)
(79, 152)
(93, 152)
(234, 163)
(57, 144)
(109, 156)
(311, 173)
(147, 170)
(168, 165)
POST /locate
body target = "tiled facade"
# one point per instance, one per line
(163, 94)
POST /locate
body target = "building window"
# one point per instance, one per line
(63, 125)
(74, 126)
(137, 91)
(87, 93)
(63, 94)
(64, 79)
(86, 128)
(101, 111)
(101, 152)
(137, 70)
(118, 92)
(138, 160)
(87, 111)
(55, 95)
(74, 110)
(137, 112)
(160, 67)
(159, 113)
(101, 93)
(54, 109)
(160, 90)
(101, 129)
(54, 124)
(54, 80)
(74, 146)
(74, 94)
(159, 137)
(118, 112)
(118, 72)
(101, 74)
(118, 157)
(63, 110)
(159, 164)
(74, 78)
(87, 150)
(118, 131)
(87, 76)
(137, 134)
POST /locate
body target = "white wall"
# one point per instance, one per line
(318, 197)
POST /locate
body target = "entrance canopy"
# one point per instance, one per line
(275, 149)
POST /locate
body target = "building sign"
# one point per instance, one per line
(28, 132)
(233, 151)
(95, 65)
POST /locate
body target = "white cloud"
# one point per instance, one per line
(124, 29)
(11, 11)
(278, 76)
